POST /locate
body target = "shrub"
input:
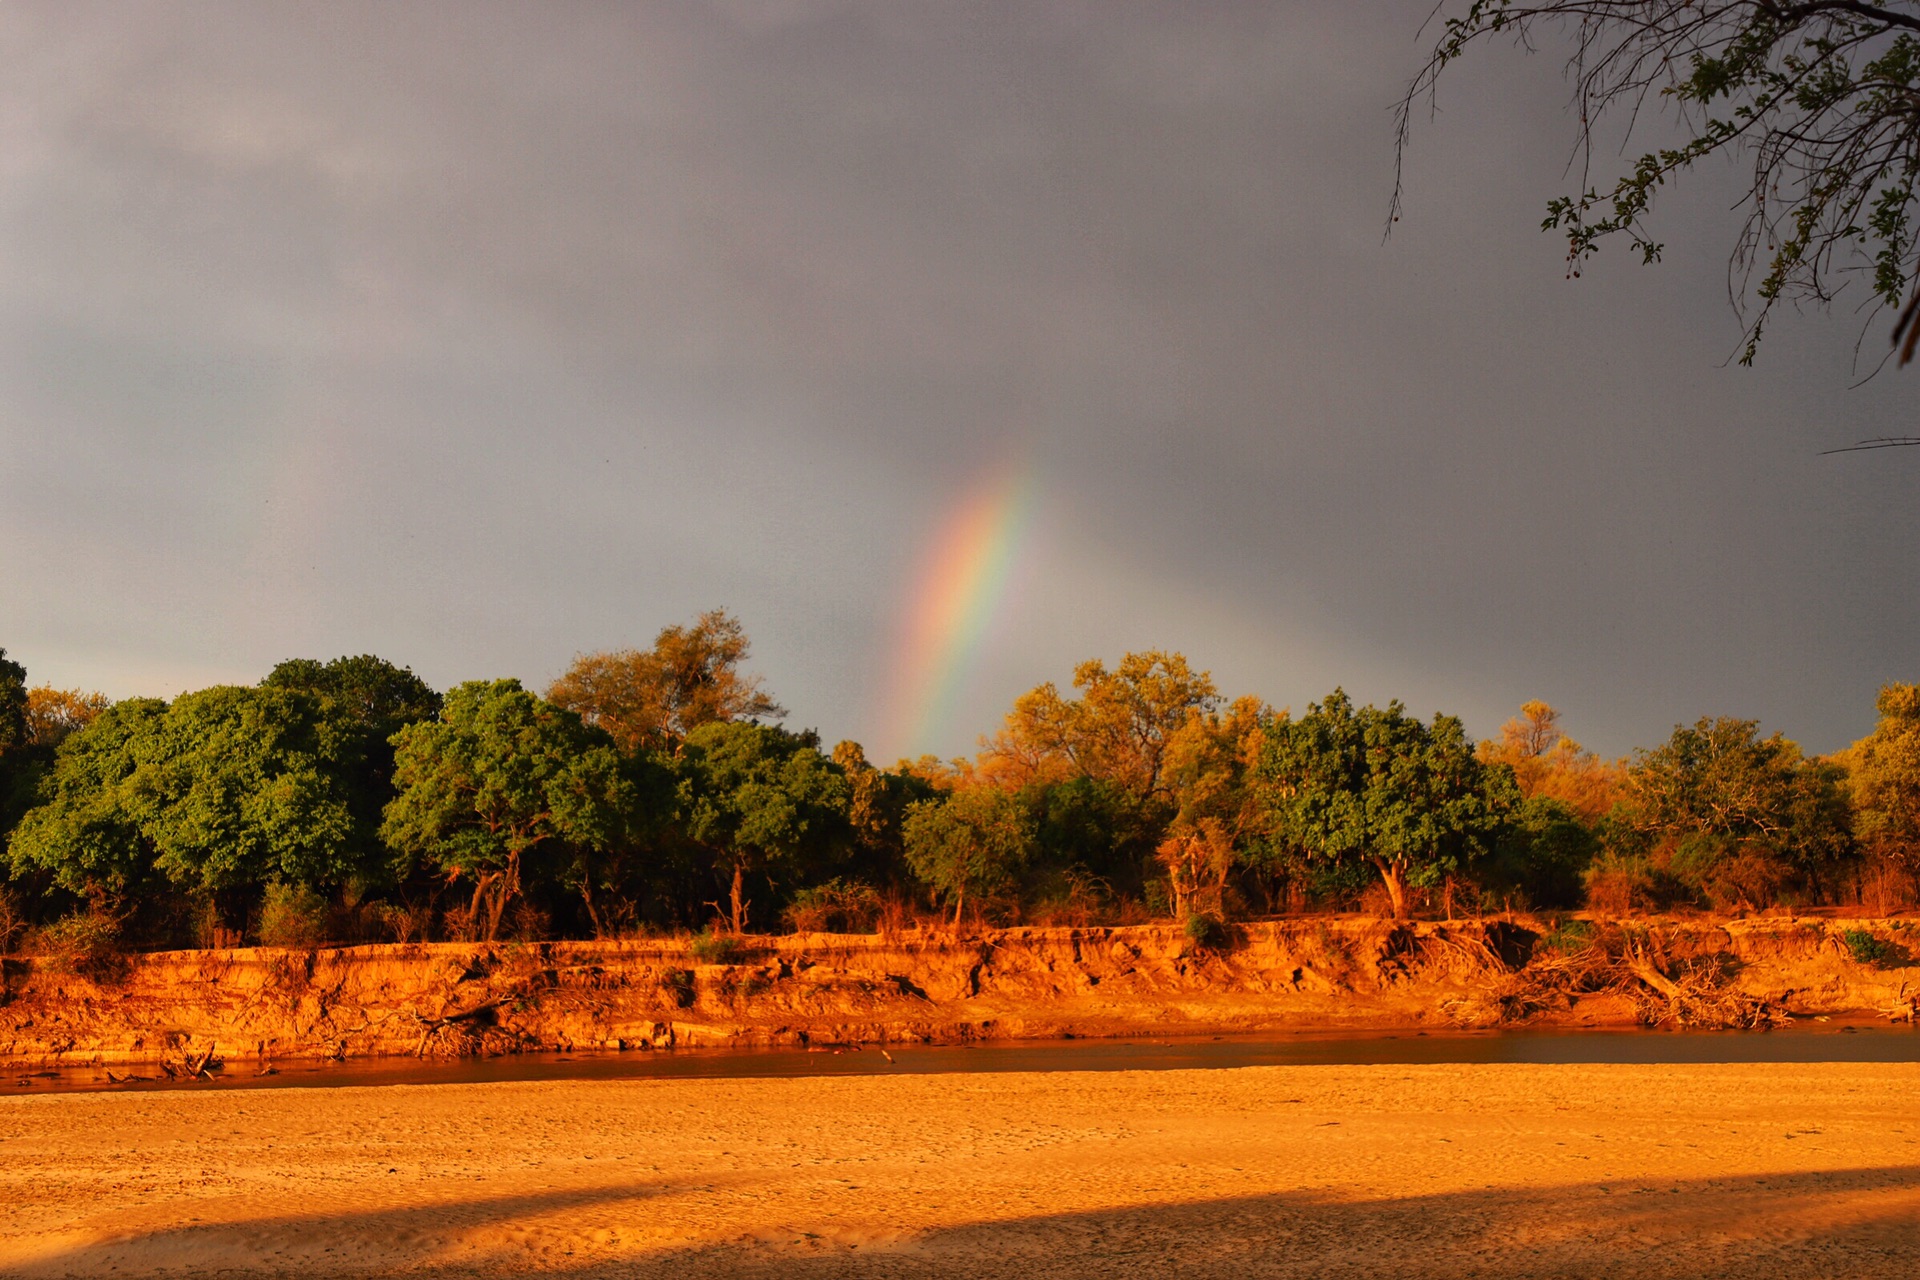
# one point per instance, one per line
(709, 947)
(1205, 931)
(1566, 938)
(1875, 952)
(399, 922)
(837, 906)
(87, 944)
(677, 986)
(292, 915)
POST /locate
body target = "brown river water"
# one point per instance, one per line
(1805, 1043)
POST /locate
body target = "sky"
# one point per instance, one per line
(945, 344)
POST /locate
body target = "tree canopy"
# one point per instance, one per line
(1377, 785)
(227, 786)
(343, 800)
(1821, 99)
(1886, 775)
(13, 703)
(972, 840)
(499, 773)
(652, 700)
(1118, 730)
(761, 799)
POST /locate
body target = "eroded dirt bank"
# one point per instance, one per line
(454, 998)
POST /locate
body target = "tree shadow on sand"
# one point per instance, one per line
(1849, 1222)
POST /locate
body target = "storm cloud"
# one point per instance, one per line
(476, 335)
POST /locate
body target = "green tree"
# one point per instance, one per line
(1735, 815)
(366, 701)
(1375, 784)
(501, 773)
(86, 832)
(1822, 99)
(226, 788)
(16, 772)
(652, 700)
(761, 800)
(972, 840)
(13, 703)
(877, 804)
(366, 691)
(1885, 769)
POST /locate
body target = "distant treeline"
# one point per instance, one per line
(655, 790)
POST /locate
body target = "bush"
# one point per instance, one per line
(1205, 931)
(1875, 952)
(1731, 874)
(1566, 938)
(400, 922)
(292, 915)
(709, 947)
(677, 986)
(87, 944)
(835, 907)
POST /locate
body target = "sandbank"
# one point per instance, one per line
(1437, 1170)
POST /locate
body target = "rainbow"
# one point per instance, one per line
(961, 586)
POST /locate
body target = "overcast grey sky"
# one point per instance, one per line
(476, 335)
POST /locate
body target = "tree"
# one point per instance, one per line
(1549, 765)
(16, 772)
(653, 700)
(224, 789)
(1118, 730)
(761, 799)
(53, 714)
(1209, 768)
(499, 774)
(877, 804)
(1376, 784)
(1733, 814)
(1822, 97)
(13, 703)
(366, 701)
(972, 840)
(367, 691)
(1885, 768)
(86, 833)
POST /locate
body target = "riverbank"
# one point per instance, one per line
(185, 1010)
(1488, 1170)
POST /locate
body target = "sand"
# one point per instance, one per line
(1453, 1170)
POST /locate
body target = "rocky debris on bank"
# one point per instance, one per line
(254, 1005)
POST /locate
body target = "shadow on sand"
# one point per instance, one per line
(1843, 1223)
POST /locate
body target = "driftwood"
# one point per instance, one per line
(1619, 962)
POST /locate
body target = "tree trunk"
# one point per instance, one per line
(959, 902)
(738, 902)
(506, 887)
(586, 898)
(1394, 876)
(475, 920)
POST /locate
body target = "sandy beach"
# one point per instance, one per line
(1484, 1170)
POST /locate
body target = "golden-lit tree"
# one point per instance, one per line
(652, 699)
(52, 713)
(1209, 767)
(1547, 763)
(1119, 729)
